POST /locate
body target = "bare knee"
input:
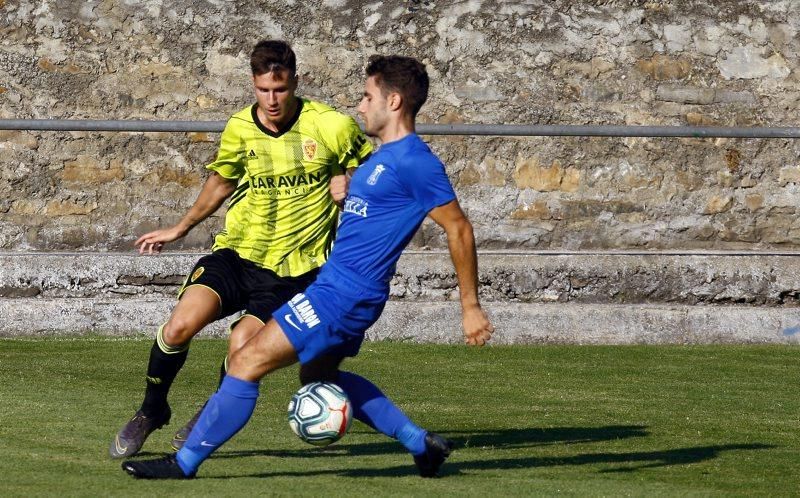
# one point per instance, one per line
(247, 363)
(178, 331)
(243, 331)
(266, 351)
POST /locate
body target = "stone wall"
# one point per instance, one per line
(730, 63)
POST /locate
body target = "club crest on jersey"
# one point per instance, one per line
(373, 178)
(309, 149)
(197, 273)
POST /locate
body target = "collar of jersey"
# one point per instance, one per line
(399, 142)
(254, 113)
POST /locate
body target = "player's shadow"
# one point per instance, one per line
(618, 462)
(501, 438)
(509, 439)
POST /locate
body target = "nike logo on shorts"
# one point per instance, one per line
(288, 318)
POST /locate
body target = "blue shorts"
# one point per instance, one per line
(331, 316)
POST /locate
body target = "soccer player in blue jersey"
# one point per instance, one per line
(389, 197)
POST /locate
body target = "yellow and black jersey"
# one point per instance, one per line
(281, 215)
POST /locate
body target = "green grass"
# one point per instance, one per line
(537, 420)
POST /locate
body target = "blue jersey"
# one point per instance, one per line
(389, 197)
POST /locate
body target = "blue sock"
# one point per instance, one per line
(226, 412)
(373, 408)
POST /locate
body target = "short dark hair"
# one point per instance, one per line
(272, 55)
(404, 75)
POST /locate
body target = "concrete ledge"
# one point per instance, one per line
(771, 279)
(518, 323)
(534, 297)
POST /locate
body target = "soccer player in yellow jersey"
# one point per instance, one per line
(282, 163)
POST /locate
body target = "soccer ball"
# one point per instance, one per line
(320, 413)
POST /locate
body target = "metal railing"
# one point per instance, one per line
(423, 129)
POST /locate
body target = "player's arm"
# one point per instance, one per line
(339, 185)
(461, 242)
(354, 148)
(214, 192)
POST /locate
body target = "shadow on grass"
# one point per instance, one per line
(509, 440)
(625, 462)
(632, 460)
(501, 439)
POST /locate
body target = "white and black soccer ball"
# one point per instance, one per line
(320, 413)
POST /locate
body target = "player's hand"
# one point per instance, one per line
(477, 327)
(153, 242)
(338, 187)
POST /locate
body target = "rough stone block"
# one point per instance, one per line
(748, 62)
(87, 170)
(202, 137)
(65, 208)
(703, 96)
(530, 174)
(487, 172)
(732, 97)
(789, 174)
(677, 36)
(18, 138)
(699, 119)
(536, 211)
(660, 67)
(718, 204)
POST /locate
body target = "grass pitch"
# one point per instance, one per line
(533, 420)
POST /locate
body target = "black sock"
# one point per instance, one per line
(161, 371)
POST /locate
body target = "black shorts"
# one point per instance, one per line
(243, 286)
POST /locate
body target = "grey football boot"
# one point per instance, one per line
(130, 439)
(180, 437)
